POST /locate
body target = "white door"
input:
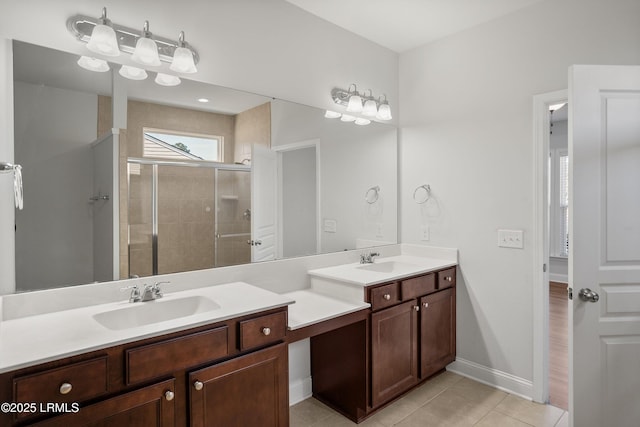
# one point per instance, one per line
(604, 148)
(263, 203)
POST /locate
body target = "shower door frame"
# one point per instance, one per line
(154, 200)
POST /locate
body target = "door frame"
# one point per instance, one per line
(541, 140)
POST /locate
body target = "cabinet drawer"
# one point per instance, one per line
(72, 383)
(162, 358)
(446, 278)
(384, 296)
(418, 286)
(263, 330)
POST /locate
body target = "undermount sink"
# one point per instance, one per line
(146, 313)
(387, 266)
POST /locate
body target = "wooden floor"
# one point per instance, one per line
(558, 345)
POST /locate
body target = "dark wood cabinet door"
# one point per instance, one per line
(149, 406)
(394, 351)
(251, 390)
(437, 331)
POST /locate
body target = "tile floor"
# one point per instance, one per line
(446, 400)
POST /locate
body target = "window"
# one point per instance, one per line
(559, 203)
(161, 144)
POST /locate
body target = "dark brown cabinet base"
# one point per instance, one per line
(410, 335)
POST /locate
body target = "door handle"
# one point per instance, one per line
(588, 295)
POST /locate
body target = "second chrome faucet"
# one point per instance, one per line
(148, 293)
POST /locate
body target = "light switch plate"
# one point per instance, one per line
(511, 239)
(330, 225)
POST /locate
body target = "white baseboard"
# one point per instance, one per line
(561, 278)
(493, 377)
(299, 390)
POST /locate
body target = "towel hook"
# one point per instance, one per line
(422, 194)
(372, 195)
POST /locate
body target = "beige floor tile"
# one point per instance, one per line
(532, 413)
(308, 412)
(478, 392)
(496, 419)
(425, 419)
(448, 408)
(564, 420)
(433, 387)
(337, 420)
(395, 412)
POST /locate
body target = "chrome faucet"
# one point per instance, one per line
(150, 292)
(367, 258)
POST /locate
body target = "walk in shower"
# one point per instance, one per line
(187, 216)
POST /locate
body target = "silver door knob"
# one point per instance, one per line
(588, 295)
(198, 385)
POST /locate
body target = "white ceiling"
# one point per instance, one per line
(402, 25)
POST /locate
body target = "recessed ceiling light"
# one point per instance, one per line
(203, 100)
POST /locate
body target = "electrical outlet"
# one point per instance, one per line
(424, 233)
(511, 239)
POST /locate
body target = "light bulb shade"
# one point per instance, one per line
(93, 64)
(384, 112)
(103, 41)
(132, 73)
(347, 118)
(370, 108)
(146, 52)
(167, 80)
(355, 104)
(331, 114)
(362, 122)
(183, 61)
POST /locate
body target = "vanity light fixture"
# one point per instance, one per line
(108, 39)
(362, 122)
(103, 38)
(372, 108)
(347, 118)
(93, 64)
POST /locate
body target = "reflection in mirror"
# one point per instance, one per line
(116, 187)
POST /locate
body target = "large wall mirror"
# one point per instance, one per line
(190, 177)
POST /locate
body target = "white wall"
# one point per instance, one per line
(57, 171)
(7, 215)
(466, 129)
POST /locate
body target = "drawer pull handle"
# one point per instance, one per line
(416, 307)
(449, 279)
(169, 395)
(387, 297)
(266, 331)
(65, 388)
(198, 385)
(426, 304)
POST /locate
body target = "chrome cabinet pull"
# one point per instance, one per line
(169, 395)
(65, 388)
(387, 297)
(426, 304)
(416, 307)
(198, 385)
(266, 331)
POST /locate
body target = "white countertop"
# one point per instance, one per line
(42, 338)
(403, 266)
(311, 308)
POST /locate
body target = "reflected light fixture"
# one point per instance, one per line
(103, 37)
(347, 118)
(183, 58)
(146, 52)
(93, 64)
(354, 105)
(132, 73)
(332, 114)
(370, 108)
(167, 80)
(362, 122)
(384, 111)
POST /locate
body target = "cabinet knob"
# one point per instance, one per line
(65, 388)
(198, 385)
(449, 279)
(169, 395)
(387, 297)
(426, 304)
(266, 331)
(416, 307)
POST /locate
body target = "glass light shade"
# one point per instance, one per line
(384, 112)
(167, 80)
(370, 108)
(347, 118)
(103, 41)
(362, 122)
(331, 114)
(93, 64)
(183, 61)
(355, 104)
(146, 52)
(132, 73)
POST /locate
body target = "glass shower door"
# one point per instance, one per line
(233, 216)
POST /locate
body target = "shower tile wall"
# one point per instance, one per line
(234, 210)
(140, 216)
